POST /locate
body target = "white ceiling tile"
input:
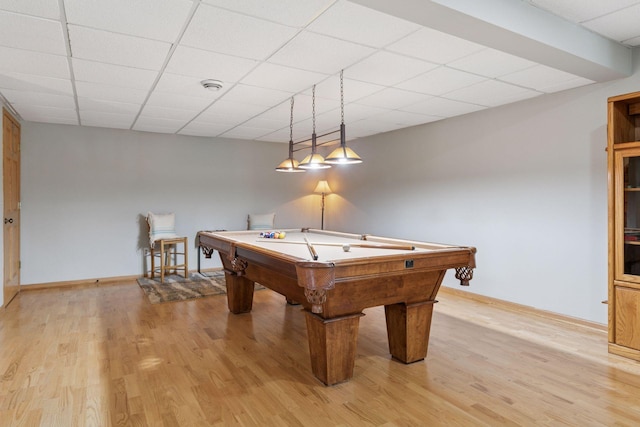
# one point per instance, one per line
(279, 77)
(33, 63)
(245, 132)
(232, 110)
(107, 120)
(153, 19)
(273, 125)
(114, 75)
(355, 112)
(582, 10)
(101, 105)
(545, 79)
(188, 86)
(29, 82)
(359, 24)
(231, 33)
(393, 98)
(294, 13)
(632, 42)
(256, 95)
(110, 93)
(491, 93)
(173, 100)
(404, 118)
(119, 49)
(620, 25)
(387, 68)
(366, 127)
(316, 52)
(440, 81)
(37, 113)
(208, 129)
(442, 107)
(153, 124)
(39, 99)
(153, 111)
(32, 33)
(434, 46)
(491, 63)
(352, 89)
(209, 65)
(41, 8)
(302, 108)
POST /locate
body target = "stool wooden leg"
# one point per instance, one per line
(163, 261)
(153, 263)
(186, 263)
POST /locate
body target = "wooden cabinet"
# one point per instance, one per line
(623, 154)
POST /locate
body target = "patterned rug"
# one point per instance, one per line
(177, 288)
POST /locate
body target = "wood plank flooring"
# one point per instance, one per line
(104, 356)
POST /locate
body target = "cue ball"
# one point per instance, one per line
(346, 248)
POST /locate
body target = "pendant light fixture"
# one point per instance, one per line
(290, 164)
(343, 155)
(314, 160)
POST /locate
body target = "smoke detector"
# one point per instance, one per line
(213, 85)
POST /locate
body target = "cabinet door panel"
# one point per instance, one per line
(627, 317)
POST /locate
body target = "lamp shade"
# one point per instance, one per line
(322, 187)
(314, 161)
(343, 156)
(289, 165)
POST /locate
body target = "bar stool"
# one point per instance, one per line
(164, 244)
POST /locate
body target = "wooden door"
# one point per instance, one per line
(11, 195)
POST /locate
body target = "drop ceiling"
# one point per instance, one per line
(138, 64)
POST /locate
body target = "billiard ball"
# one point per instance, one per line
(346, 247)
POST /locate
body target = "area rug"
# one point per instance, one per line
(177, 288)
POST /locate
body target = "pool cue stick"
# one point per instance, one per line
(353, 245)
(312, 250)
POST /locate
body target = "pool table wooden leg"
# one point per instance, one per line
(332, 346)
(239, 293)
(408, 327)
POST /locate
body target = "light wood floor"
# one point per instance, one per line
(102, 356)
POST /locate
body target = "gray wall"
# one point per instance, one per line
(524, 183)
(85, 192)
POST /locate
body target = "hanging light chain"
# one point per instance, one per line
(341, 97)
(313, 107)
(291, 122)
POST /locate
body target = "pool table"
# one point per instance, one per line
(334, 276)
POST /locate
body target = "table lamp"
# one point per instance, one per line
(322, 188)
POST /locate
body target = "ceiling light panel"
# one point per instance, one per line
(152, 19)
(440, 81)
(359, 24)
(294, 13)
(118, 49)
(231, 33)
(31, 33)
(114, 75)
(316, 52)
(206, 64)
(33, 63)
(387, 68)
(491, 63)
(434, 46)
